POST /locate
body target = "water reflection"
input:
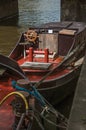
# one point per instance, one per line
(8, 37)
(35, 12)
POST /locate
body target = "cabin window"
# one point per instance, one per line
(50, 31)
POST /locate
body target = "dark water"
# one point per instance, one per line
(35, 12)
(31, 12)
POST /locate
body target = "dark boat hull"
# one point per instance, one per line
(57, 90)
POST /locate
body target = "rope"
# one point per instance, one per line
(34, 92)
(48, 108)
(15, 93)
(51, 122)
(39, 123)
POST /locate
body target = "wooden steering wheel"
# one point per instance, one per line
(31, 36)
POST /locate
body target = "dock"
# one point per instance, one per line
(77, 119)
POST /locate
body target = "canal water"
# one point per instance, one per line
(31, 13)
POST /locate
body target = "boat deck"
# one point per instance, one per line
(77, 120)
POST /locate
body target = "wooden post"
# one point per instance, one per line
(30, 54)
(46, 58)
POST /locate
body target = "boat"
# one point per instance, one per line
(50, 57)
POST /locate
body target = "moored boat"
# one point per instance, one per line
(51, 57)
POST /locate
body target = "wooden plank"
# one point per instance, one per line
(67, 32)
(49, 41)
(36, 65)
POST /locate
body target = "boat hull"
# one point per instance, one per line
(57, 90)
(60, 82)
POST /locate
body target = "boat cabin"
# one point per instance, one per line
(57, 42)
(52, 45)
(43, 46)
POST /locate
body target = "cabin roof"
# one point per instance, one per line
(57, 26)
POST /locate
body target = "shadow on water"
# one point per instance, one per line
(36, 12)
(12, 21)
